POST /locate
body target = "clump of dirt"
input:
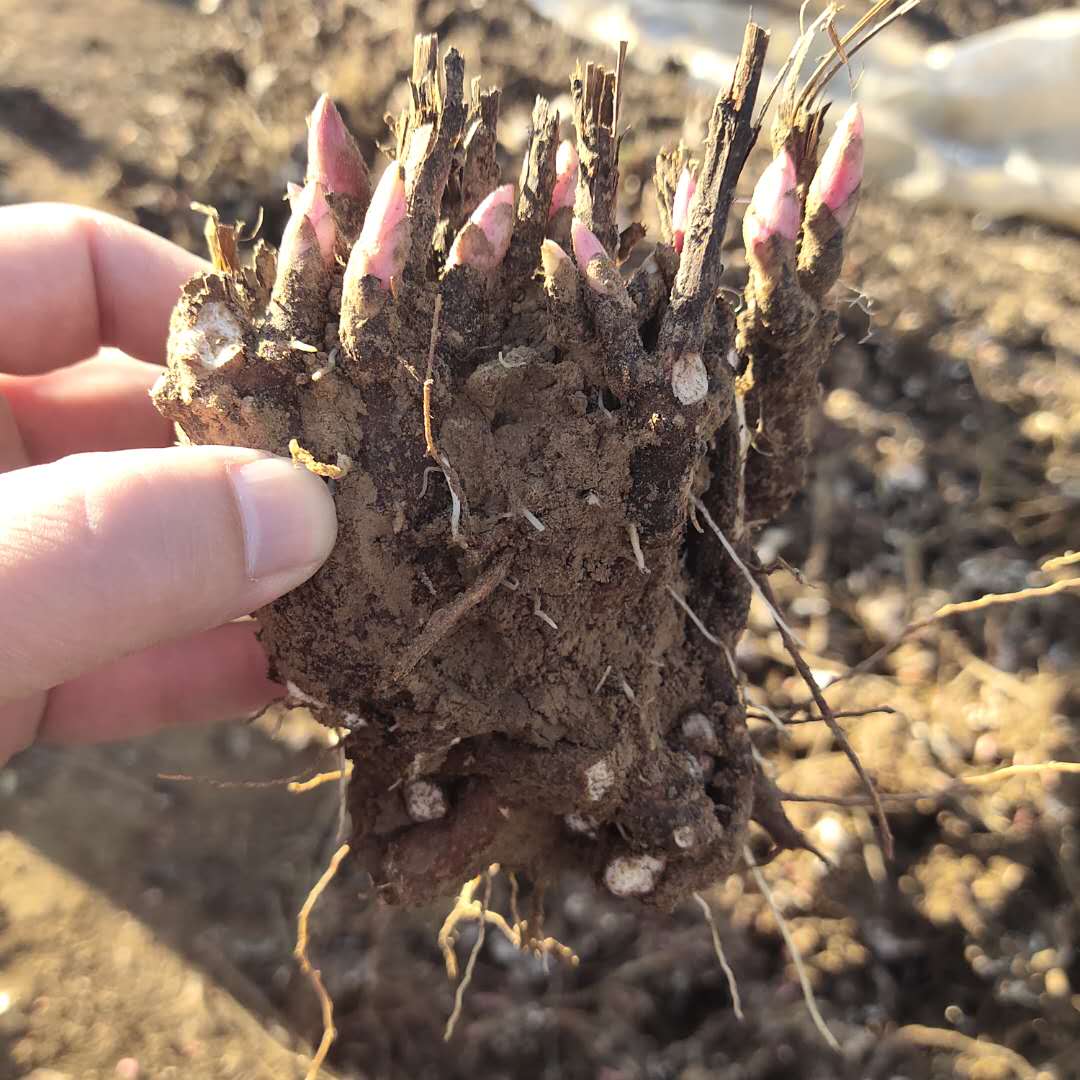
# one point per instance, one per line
(547, 473)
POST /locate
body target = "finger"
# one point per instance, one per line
(13, 453)
(73, 280)
(217, 675)
(99, 404)
(105, 554)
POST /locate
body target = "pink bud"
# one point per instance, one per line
(383, 245)
(566, 174)
(310, 202)
(334, 159)
(774, 207)
(680, 207)
(485, 238)
(594, 262)
(837, 181)
(586, 245)
(298, 246)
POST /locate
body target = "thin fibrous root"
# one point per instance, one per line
(1006, 772)
(542, 615)
(312, 973)
(443, 620)
(838, 733)
(1070, 558)
(718, 947)
(635, 545)
(694, 618)
(480, 913)
(298, 787)
(752, 581)
(947, 611)
(796, 957)
(959, 1043)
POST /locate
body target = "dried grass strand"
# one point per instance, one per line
(429, 382)
(1006, 772)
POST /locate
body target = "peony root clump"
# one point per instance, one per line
(526, 630)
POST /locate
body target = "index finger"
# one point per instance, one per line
(74, 279)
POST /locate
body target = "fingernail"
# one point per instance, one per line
(287, 515)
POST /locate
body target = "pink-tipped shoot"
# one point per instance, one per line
(553, 259)
(680, 207)
(310, 229)
(586, 246)
(485, 238)
(594, 262)
(334, 159)
(839, 176)
(310, 202)
(566, 174)
(383, 244)
(297, 254)
(775, 211)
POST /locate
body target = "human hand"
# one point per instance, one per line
(123, 558)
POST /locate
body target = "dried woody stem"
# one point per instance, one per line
(662, 471)
(535, 186)
(596, 94)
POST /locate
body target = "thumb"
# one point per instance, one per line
(104, 554)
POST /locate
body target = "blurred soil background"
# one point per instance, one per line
(147, 926)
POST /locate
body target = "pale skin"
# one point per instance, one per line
(125, 560)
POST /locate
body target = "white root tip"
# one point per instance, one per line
(533, 520)
(635, 544)
(580, 824)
